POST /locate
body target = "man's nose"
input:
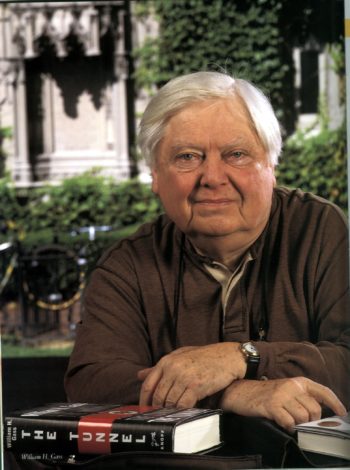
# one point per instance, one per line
(214, 171)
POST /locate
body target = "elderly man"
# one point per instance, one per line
(238, 296)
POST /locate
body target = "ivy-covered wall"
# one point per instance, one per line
(252, 39)
(317, 164)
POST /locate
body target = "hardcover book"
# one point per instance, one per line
(330, 436)
(84, 428)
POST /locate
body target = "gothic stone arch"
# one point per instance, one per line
(65, 70)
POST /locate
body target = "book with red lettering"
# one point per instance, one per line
(82, 428)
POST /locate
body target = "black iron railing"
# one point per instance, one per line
(50, 278)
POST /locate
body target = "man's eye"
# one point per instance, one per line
(237, 154)
(186, 157)
(238, 157)
(187, 160)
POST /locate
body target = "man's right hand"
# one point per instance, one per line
(286, 401)
(190, 374)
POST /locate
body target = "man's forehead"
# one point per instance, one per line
(179, 142)
(228, 125)
(218, 115)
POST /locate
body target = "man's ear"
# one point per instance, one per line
(271, 169)
(274, 177)
(154, 180)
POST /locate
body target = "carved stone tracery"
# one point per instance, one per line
(63, 31)
(25, 23)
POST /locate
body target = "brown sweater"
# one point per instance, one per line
(296, 287)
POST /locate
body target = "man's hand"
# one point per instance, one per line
(189, 374)
(287, 401)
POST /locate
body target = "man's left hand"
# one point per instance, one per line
(288, 401)
(189, 374)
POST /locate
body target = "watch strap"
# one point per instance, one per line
(252, 358)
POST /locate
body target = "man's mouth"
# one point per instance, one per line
(221, 201)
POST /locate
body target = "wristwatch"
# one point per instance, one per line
(252, 358)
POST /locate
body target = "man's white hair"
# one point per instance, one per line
(201, 86)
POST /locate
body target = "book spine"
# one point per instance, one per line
(39, 436)
(86, 436)
(141, 437)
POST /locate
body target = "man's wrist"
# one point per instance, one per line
(240, 364)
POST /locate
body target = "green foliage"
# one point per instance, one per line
(317, 164)
(337, 53)
(136, 202)
(80, 200)
(88, 199)
(6, 132)
(251, 39)
(11, 210)
(243, 38)
(197, 35)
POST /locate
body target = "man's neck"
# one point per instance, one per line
(221, 249)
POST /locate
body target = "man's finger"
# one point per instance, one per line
(164, 386)
(149, 385)
(174, 395)
(142, 374)
(298, 411)
(326, 396)
(187, 400)
(311, 404)
(282, 417)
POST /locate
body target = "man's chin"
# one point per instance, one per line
(213, 230)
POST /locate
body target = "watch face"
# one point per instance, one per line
(250, 349)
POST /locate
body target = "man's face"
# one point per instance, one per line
(212, 173)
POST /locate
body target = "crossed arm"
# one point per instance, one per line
(190, 374)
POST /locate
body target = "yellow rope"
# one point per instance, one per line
(8, 272)
(62, 305)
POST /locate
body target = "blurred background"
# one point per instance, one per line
(74, 80)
